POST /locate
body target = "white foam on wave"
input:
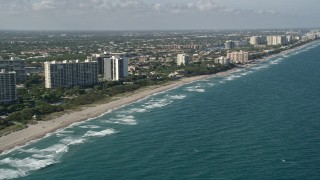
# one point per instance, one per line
(52, 152)
(139, 110)
(246, 73)
(90, 127)
(122, 119)
(211, 84)
(277, 61)
(72, 141)
(57, 149)
(178, 97)
(11, 174)
(21, 167)
(157, 103)
(28, 164)
(195, 89)
(63, 133)
(133, 110)
(232, 77)
(261, 67)
(100, 133)
(200, 90)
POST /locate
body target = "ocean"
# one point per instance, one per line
(260, 122)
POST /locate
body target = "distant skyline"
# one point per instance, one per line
(157, 14)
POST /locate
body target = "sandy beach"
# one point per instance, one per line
(42, 128)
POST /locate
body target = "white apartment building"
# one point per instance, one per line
(222, 60)
(182, 59)
(115, 68)
(276, 40)
(8, 91)
(238, 57)
(254, 40)
(70, 73)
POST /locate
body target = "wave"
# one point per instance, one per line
(246, 73)
(232, 77)
(39, 159)
(100, 133)
(178, 97)
(122, 119)
(277, 61)
(157, 103)
(133, 110)
(210, 84)
(73, 141)
(90, 127)
(195, 89)
(138, 110)
(23, 166)
(11, 174)
(261, 67)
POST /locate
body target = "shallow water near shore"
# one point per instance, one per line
(259, 122)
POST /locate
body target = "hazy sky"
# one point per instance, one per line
(157, 14)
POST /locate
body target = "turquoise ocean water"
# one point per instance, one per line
(261, 122)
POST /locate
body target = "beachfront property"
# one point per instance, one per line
(254, 40)
(8, 91)
(182, 59)
(222, 60)
(70, 73)
(257, 40)
(238, 57)
(276, 40)
(115, 68)
(14, 64)
(100, 59)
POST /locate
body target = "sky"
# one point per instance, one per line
(157, 14)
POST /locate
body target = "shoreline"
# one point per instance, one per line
(42, 128)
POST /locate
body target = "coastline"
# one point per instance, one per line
(42, 128)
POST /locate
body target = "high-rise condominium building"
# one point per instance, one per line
(255, 40)
(222, 60)
(70, 73)
(100, 59)
(230, 45)
(182, 59)
(14, 64)
(238, 57)
(115, 68)
(276, 40)
(8, 91)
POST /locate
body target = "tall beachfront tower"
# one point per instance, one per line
(276, 40)
(70, 73)
(255, 40)
(8, 91)
(115, 68)
(182, 59)
(14, 64)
